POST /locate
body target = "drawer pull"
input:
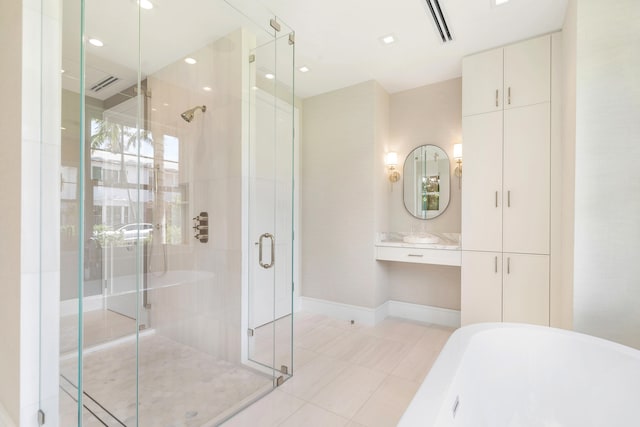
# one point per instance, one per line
(417, 255)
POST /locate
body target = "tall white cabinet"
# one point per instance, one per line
(506, 184)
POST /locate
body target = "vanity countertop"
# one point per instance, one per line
(419, 248)
(445, 241)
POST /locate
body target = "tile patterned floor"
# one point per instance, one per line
(349, 375)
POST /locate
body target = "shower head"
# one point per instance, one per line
(187, 116)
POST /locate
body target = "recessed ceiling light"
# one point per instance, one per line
(61, 71)
(190, 61)
(154, 109)
(206, 88)
(303, 69)
(96, 42)
(270, 76)
(145, 4)
(165, 104)
(499, 2)
(63, 128)
(388, 39)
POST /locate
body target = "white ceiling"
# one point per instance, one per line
(337, 39)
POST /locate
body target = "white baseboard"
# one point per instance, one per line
(372, 316)
(5, 419)
(364, 315)
(70, 306)
(425, 313)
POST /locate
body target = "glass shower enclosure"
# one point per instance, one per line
(176, 210)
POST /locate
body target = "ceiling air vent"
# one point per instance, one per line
(438, 19)
(104, 83)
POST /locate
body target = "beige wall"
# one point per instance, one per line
(562, 304)
(340, 171)
(10, 148)
(347, 198)
(429, 114)
(607, 188)
(381, 186)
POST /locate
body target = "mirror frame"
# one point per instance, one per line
(404, 170)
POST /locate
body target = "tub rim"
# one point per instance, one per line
(435, 387)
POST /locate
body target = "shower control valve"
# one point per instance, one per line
(201, 227)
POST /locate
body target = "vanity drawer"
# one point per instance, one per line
(419, 255)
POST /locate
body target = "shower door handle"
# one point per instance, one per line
(273, 250)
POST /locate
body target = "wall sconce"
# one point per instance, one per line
(457, 155)
(391, 162)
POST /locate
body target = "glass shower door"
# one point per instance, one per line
(271, 203)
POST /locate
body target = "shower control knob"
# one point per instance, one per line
(201, 227)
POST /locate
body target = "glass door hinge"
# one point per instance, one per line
(40, 417)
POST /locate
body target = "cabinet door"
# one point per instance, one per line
(482, 182)
(526, 184)
(481, 298)
(525, 290)
(527, 72)
(482, 82)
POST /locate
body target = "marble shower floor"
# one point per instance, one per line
(179, 386)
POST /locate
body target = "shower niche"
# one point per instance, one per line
(174, 167)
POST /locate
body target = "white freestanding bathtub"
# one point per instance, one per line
(500, 375)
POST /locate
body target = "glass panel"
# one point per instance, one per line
(262, 198)
(271, 204)
(162, 306)
(70, 172)
(101, 198)
(285, 119)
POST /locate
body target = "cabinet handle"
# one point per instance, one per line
(495, 264)
(509, 198)
(496, 199)
(496, 97)
(509, 95)
(508, 265)
(416, 255)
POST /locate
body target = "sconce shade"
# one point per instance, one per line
(457, 151)
(391, 159)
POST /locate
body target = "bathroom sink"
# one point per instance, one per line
(422, 238)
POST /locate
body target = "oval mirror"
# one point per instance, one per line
(426, 182)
